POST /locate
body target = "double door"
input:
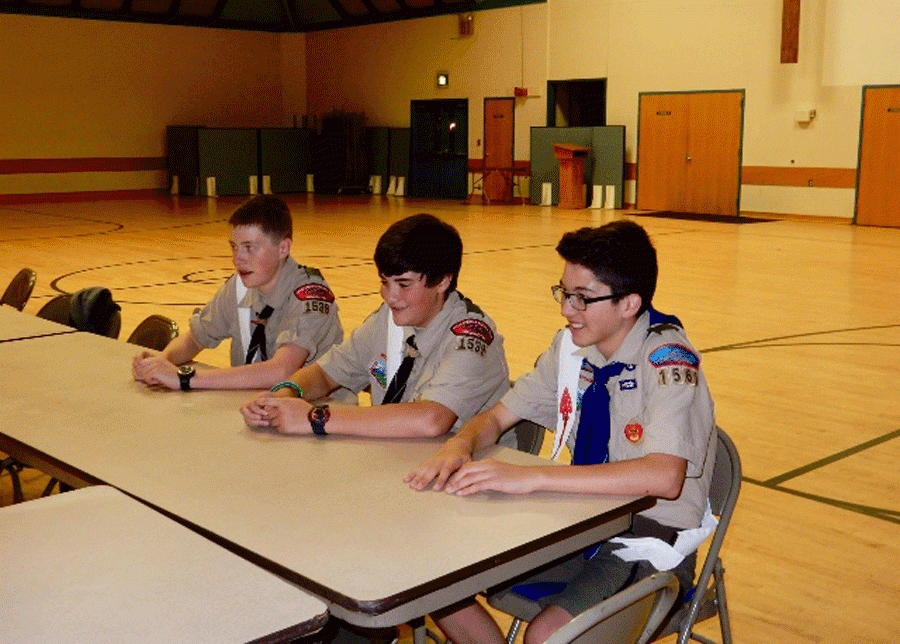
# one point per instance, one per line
(689, 152)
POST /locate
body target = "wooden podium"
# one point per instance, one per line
(571, 174)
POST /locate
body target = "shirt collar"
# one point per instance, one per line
(283, 289)
(430, 335)
(627, 352)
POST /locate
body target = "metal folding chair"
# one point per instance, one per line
(707, 599)
(708, 596)
(631, 616)
(90, 309)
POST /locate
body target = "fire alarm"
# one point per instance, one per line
(521, 92)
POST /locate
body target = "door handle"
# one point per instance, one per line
(689, 158)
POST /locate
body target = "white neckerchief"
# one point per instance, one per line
(567, 391)
(240, 291)
(394, 351)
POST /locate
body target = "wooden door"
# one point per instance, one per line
(662, 149)
(878, 184)
(689, 152)
(499, 130)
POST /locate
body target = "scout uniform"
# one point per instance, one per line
(659, 403)
(303, 313)
(460, 361)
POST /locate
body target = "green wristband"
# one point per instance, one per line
(289, 385)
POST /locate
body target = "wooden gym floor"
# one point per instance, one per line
(797, 320)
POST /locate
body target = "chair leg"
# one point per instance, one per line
(13, 466)
(49, 489)
(513, 630)
(724, 619)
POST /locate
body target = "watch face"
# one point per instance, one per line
(185, 370)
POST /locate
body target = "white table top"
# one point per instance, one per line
(96, 566)
(15, 325)
(331, 514)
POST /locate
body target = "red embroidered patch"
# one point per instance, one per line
(475, 329)
(314, 292)
(634, 432)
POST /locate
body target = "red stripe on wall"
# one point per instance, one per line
(89, 164)
(70, 197)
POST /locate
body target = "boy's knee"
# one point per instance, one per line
(547, 622)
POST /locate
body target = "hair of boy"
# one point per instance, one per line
(269, 212)
(423, 244)
(619, 254)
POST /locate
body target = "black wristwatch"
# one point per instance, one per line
(318, 416)
(185, 373)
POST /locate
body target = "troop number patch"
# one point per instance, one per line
(473, 335)
(316, 298)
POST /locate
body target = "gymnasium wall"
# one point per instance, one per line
(379, 69)
(639, 46)
(85, 104)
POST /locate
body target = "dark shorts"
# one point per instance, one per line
(588, 581)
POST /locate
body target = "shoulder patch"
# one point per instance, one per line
(317, 292)
(669, 355)
(471, 307)
(663, 326)
(474, 329)
(311, 272)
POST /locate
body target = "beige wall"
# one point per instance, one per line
(639, 46)
(95, 89)
(379, 69)
(79, 89)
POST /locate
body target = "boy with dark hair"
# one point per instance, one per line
(623, 389)
(279, 314)
(428, 351)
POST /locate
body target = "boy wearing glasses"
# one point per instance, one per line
(623, 389)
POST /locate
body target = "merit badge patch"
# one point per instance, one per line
(474, 335)
(627, 383)
(379, 372)
(673, 355)
(634, 431)
(316, 292)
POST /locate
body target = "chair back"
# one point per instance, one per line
(529, 436)
(57, 309)
(19, 289)
(709, 594)
(90, 309)
(154, 332)
(629, 617)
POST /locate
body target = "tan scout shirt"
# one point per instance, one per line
(461, 362)
(659, 404)
(305, 314)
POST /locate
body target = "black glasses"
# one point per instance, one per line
(576, 300)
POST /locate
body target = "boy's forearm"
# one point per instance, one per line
(658, 475)
(182, 349)
(485, 429)
(258, 375)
